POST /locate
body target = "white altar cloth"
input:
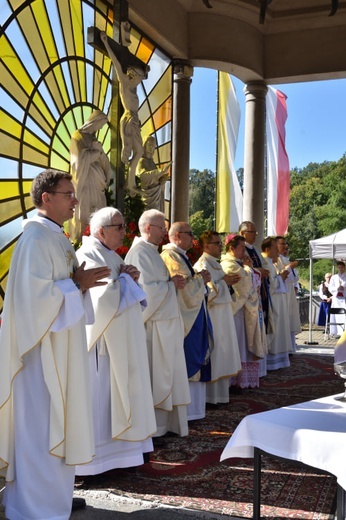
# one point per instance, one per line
(313, 433)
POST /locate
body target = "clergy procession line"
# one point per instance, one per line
(98, 355)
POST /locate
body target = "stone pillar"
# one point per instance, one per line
(254, 152)
(181, 142)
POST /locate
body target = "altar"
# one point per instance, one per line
(313, 433)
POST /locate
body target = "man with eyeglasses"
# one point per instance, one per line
(225, 358)
(163, 324)
(45, 414)
(247, 229)
(198, 336)
(122, 401)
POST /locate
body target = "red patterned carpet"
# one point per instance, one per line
(186, 472)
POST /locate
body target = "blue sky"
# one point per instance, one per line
(315, 128)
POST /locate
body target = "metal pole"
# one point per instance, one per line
(310, 342)
(257, 484)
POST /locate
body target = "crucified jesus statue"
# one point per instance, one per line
(130, 127)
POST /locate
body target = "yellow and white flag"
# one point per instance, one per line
(229, 198)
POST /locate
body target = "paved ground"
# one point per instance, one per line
(315, 342)
(102, 505)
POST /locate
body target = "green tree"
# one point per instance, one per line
(202, 192)
(317, 208)
(201, 201)
(240, 177)
(199, 224)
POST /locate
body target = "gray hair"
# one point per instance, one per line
(102, 217)
(148, 217)
(245, 224)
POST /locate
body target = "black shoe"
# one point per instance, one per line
(146, 458)
(78, 503)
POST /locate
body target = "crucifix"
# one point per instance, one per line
(130, 71)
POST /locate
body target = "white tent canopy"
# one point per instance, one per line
(331, 247)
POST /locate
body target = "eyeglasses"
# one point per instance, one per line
(119, 226)
(70, 194)
(160, 227)
(187, 233)
(217, 243)
(250, 231)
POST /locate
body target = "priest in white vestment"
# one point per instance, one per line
(123, 409)
(279, 341)
(164, 326)
(337, 287)
(248, 230)
(225, 357)
(198, 338)
(291, 283)
(45, 415)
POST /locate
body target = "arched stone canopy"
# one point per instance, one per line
(298, 41)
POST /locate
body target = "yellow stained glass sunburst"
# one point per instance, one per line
(51, 80)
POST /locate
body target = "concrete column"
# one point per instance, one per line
(181, 142)
(254, 151)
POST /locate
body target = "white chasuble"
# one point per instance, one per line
(293, 306)
(280, 341)
(119, 329)
(44, 256)
(164, 332)
(225, 357)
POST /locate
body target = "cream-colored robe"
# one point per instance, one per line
(247, 297)
(280, 340)
(123, 335)
(293, 307)
(225, 357)
(164, 329)
(191, 297)
(41, 260)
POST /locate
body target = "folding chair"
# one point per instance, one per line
(340, 320)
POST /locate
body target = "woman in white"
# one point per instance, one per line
(246, 316)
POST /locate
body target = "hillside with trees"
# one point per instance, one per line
(317, 208)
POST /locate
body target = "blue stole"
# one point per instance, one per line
(199, 341)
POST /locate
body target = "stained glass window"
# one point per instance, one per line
(51, 81)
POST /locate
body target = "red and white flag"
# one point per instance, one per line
(278, 169)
